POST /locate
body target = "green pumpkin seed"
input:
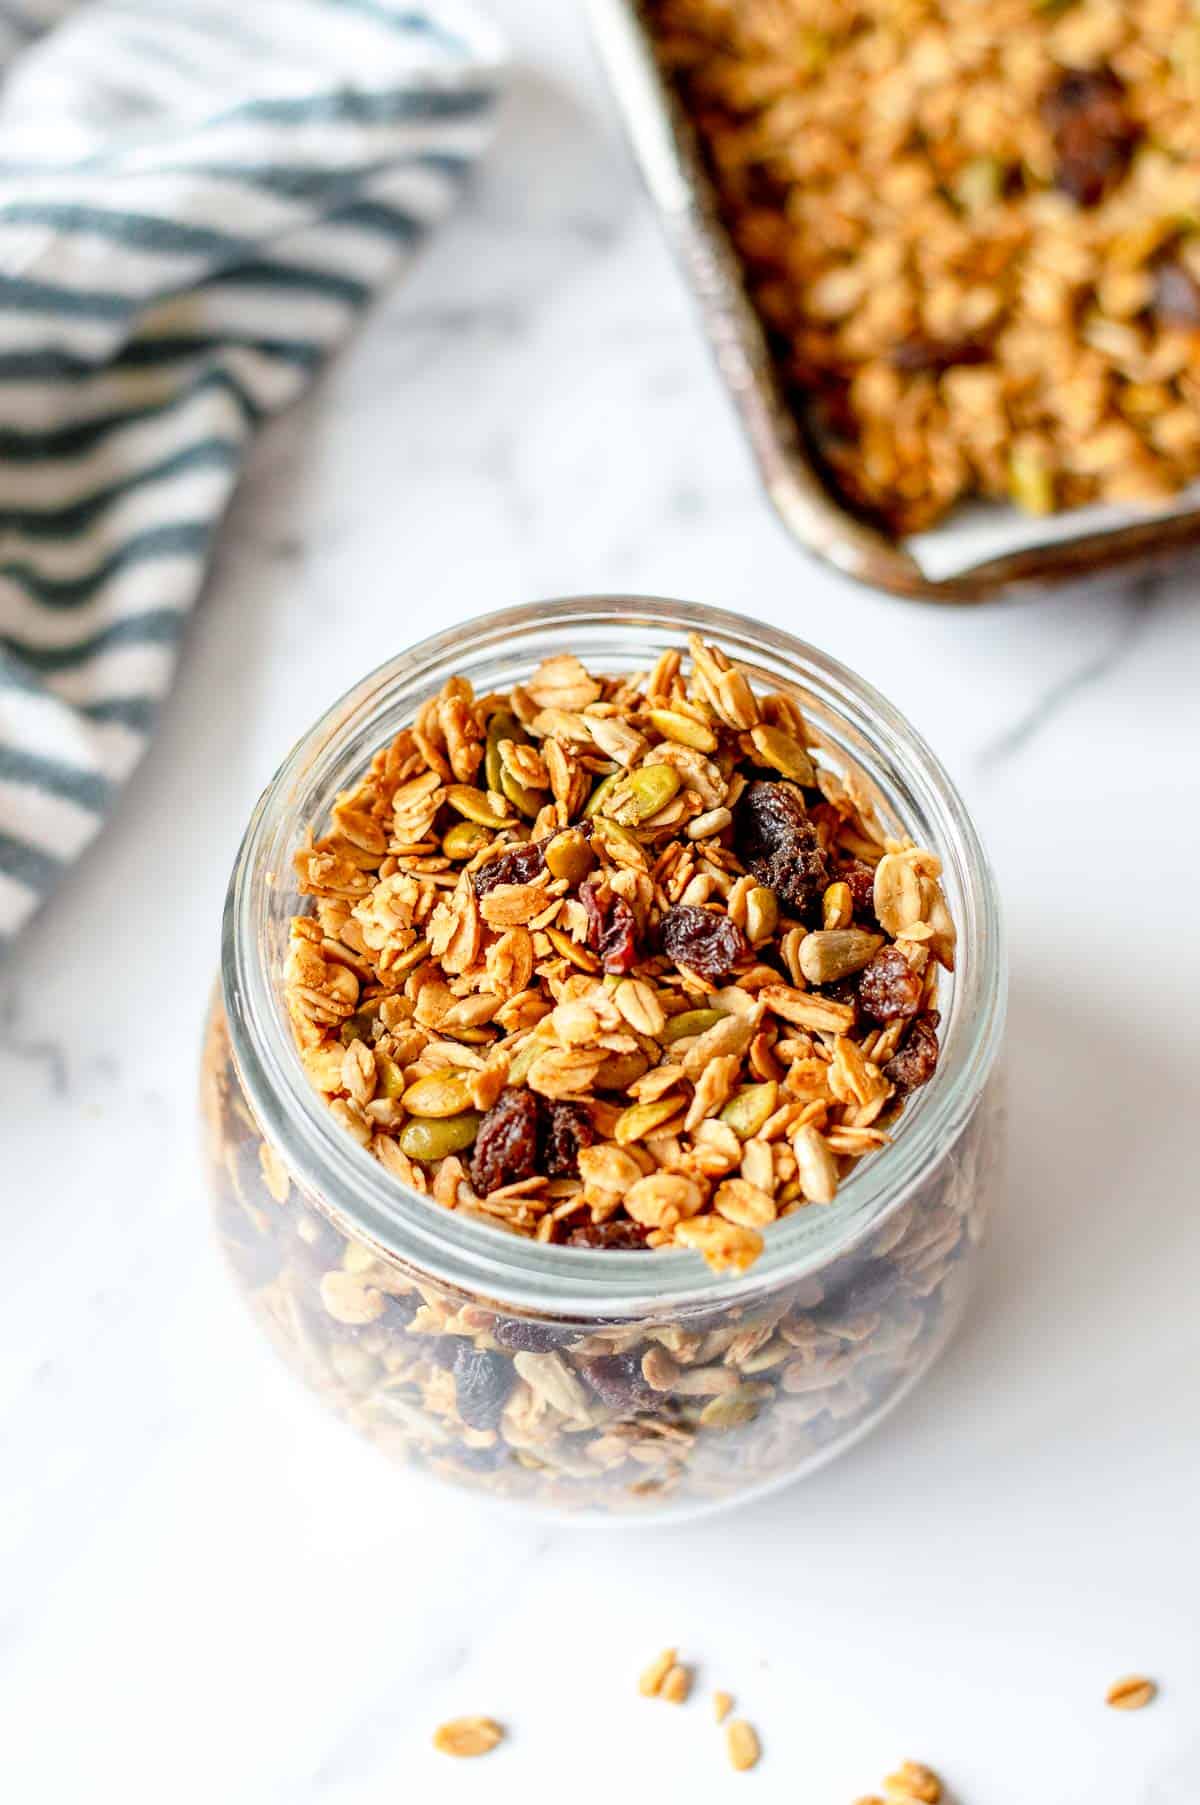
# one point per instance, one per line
(600, 795)
(568, 855)
(466, 800)
(502, 726)
(358, 1027)
(427, 1138)
(465, 839)
(762, 914)
(783, 753)
(389, 1076)
(1030, 480)
(684, 730)
(641, 1119)
(526, 800)
(747, 1111)
(440, 1094)
(571, 950)
(523, 1058)
(692, 1021)
(837, 906)
(644, 792)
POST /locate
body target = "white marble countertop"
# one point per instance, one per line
(211, 1593)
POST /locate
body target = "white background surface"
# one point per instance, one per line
(210, 1593)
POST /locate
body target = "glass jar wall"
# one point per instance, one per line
(597, 1382)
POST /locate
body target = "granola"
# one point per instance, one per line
(615, 961)
(972, 234)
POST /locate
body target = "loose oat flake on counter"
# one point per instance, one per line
(614, 962)
(972, 233)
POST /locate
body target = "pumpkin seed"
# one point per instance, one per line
(466, 800)
(736, 1407)
(389, 1076)
(837, 906)
(523, 1058)
(427, 1138)
(641, 1119)
(749, 1108)
(650, 788)
(465, 839)
(762, 914)
(568, 855)
(692, 1021)
(833, 953)
(502, 726)
(526, 800)
(684, 730)
(359, 1025)
(439, 1094)
(570, 949)
(601, 794)
(783, 753)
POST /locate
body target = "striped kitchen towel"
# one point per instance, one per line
(197, 198)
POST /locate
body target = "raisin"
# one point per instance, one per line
(506, 1147)
(707, 942)
(889, 987)
(399, 1311)
(1176, 296)
(916, 1061)
(918, 356)
(612, 927)
(1094, 136)
(617, 1380)
(568, 1128)
(859, 878)
(615, 1236)
(482, 1384)
(519, 865)
(778, 845)
(523, 1337)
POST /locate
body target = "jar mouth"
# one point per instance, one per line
(915, 795)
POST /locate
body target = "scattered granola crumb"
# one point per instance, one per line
(913, 1781)
(677, 1684)
(743, 1745)
(651, 1682)
(722, 1705)
(1131, 1693)
(465, 1736)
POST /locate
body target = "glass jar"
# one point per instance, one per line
(598, 1382)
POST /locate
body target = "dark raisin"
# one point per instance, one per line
(612, 927)
(617, 1380)
(523, 1337)
(918, 356)
(1093, 133)
(889, 988)
(480, 1460)
(916, 1060)
(615, 1235)
(399, 1311)
(482, 1383)
(778, 845)
(506, 1147)
(704, 940)
(440, 1350)
(1176, 297)
(859, 878)
(519, 865)
(568, 1128)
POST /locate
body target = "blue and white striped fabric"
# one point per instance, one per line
(197, 197)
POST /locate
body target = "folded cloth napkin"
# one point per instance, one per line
(197, 198)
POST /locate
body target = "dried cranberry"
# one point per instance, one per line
(889, 988)
(519, 865)
(859, 879)
(707, 942)
(1094, 135)
(918, 356)
(523, 1337)
(506, 1147)
(617, 1380)
(778, 845)
(612, 927)
(916, 1061)
(568, 1128)
(616, 1235)
(1176, 297)
(482, 1384)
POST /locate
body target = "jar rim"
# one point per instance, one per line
(470, 1255)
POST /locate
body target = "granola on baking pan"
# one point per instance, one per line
(616, 961)
(972, 232)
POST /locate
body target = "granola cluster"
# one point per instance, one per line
(616, 961)
(973, 232)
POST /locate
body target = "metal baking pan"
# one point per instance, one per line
(672, 164)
